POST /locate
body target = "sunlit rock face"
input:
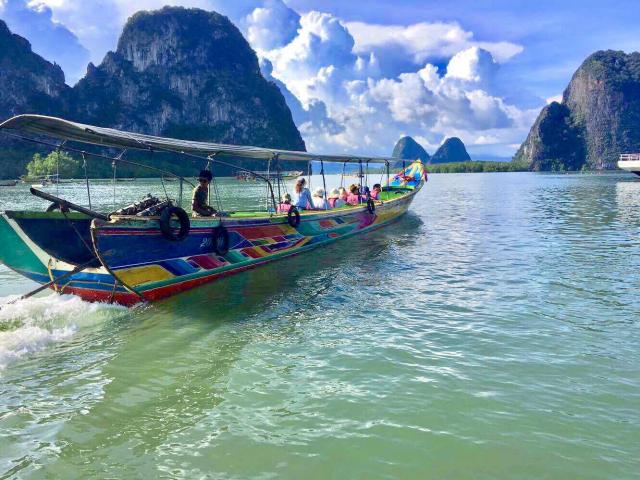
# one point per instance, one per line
(28, 84)
(186, 73)
(598, 119)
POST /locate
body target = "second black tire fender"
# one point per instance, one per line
(293, 217)
(220, 240)
(165, 224)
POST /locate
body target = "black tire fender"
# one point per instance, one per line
(165, 224)
(371, 206)
(293, 217)
(220, 240)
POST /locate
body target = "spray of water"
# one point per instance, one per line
(29, 326)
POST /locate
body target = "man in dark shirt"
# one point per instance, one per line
(199, 203)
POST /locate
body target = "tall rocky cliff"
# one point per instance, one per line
(186, 73)
(408, 149)
(28, 84)
(178, 72)
(598, 119)
(452, 150)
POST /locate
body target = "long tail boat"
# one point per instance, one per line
(128, 257)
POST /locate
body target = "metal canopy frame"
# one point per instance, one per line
(112, 138)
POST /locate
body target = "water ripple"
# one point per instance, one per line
(492, 332)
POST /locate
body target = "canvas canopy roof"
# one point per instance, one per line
(109, 137)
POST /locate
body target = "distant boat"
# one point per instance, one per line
(8, 183)
(630, 162)
(48, 180)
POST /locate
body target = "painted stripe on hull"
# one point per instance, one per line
(257, 250)
(256, 241)
(172, 289)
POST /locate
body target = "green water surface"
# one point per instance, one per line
(493, 332)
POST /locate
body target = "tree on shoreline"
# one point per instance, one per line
(55, 162)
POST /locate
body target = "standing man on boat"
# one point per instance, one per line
(200, 201)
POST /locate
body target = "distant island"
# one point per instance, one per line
(451, 150)
(408, 149)
(597, 120)
(451, 157)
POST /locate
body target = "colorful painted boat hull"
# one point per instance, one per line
(137, 263)
(135, 252)
(24, 256)
(66, 237)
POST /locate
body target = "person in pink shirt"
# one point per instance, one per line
(285, 204)
(375, 192)
(354, 195)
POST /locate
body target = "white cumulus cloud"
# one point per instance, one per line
(351, 86)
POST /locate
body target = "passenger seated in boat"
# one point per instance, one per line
(318, 200)
(375, 192)
(334, 199)
(343, 194)
(303, 195)
(285, 203)
(354, 195)
(199, 201)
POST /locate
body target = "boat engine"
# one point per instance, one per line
(147, 207)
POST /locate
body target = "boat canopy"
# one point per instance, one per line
(112, 138)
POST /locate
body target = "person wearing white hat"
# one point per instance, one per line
(302, 195)
(318, 200)
(334, 199)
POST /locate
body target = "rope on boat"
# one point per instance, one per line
(86, 178)
(75, 229)
(113, 166)
(58, 171)
(360, 177)
(324, 184)
(266, 194)
(366, 173)
(214, 184)
(278, 179)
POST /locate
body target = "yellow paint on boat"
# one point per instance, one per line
(139, 275)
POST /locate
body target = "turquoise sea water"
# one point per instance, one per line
(493, 332)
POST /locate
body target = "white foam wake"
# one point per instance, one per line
(31, 325)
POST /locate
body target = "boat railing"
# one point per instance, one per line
(630, 157)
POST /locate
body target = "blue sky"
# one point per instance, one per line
(360, 74)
